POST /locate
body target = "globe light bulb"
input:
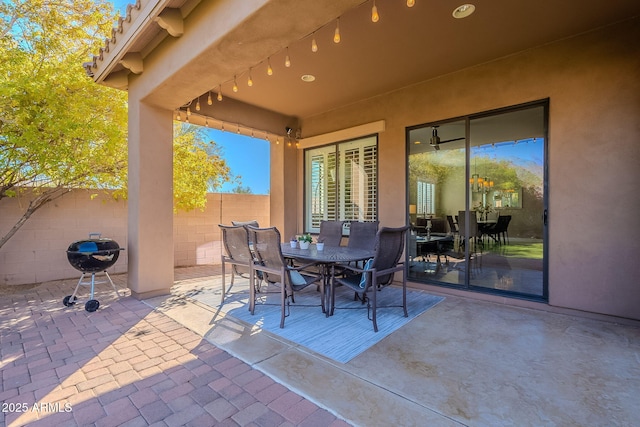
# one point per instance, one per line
(269, 69)
(374, 13)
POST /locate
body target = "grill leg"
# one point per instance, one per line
(112, 284)
(75, 292)
(93, 281)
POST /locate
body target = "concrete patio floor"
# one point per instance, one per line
(174, 361)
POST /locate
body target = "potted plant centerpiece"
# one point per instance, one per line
(304, 241)
(320, 244)
(483, 210)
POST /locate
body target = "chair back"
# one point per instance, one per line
(236, 243)
(253, 223)
(362, 235)
(266, 246)
(330, 233)
(438, 225)
(389, 244)
(503, 223)
(452, 224)
(473, 225)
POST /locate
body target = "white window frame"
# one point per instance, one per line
(352, 167)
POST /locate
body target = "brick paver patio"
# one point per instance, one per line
(127, 365)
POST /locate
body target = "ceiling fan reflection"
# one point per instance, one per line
(435, 139)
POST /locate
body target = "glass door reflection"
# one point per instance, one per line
(437, 193)
(476, 192)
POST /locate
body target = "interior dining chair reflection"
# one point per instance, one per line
(377, 273)
(275, 271)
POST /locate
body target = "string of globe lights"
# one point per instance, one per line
(226, 126)
(460, 12)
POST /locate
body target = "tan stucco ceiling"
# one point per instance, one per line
(406, 46)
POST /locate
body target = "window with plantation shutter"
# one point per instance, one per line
(341, 182)
(426, 198)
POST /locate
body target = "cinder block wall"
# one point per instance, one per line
(37, 252)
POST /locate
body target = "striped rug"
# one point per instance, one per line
(340, 337)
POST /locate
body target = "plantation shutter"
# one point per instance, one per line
(322, 186)
(352, 165)
(358, 179)
(426, 198)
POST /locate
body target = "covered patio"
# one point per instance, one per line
(462, 363)
(417, 64)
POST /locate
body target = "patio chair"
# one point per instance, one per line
(330, 233)
(362, 235)
(238, 253)
(275, 271)
(253, 223)
(378, 272)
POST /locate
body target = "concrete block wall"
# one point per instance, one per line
(37, 252)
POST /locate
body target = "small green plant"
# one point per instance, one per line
(305, 238)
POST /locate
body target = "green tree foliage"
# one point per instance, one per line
(59, 130)
(197, 167)
(240, 189)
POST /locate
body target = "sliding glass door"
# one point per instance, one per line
(476, 191)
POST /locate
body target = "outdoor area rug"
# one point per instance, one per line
(340, 337)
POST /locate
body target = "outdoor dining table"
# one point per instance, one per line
(326, 258)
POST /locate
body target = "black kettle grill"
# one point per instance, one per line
(91, 256)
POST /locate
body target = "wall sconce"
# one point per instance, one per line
(413, 209)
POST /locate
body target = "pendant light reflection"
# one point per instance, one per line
(336, 34)
(374, 13)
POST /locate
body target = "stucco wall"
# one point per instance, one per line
(37, 252)
(593, 83)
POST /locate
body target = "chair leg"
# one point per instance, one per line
(282, 304)
(404, 294)
(373, 312)
(223, 283)
(252, 291)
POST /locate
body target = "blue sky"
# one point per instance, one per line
(247, 157)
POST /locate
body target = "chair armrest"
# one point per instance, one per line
(260, 267)
(394, 269)
(351, 268)
(304, 266)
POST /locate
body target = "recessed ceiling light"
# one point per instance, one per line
(463, 11)
(308, 78)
